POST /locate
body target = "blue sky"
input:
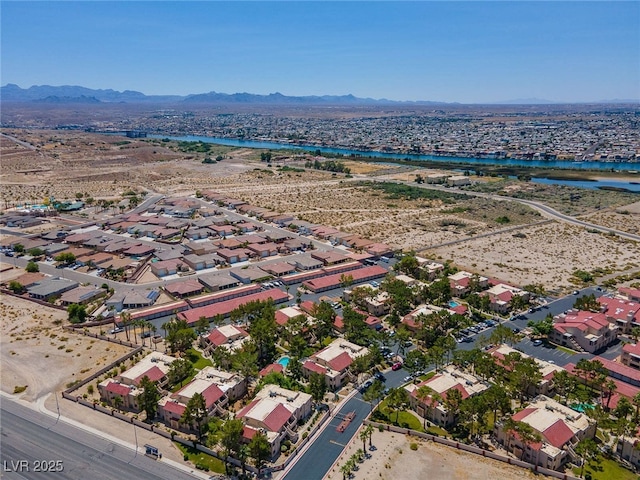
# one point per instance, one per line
(469, 52)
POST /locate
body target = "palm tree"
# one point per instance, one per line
(363, 436)
(117, 402)
(153, 333)
(608, 389)
(345, 469)
(425, 395)
(369, 429)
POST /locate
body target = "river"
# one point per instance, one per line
(561, 164)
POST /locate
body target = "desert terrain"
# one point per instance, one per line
(504, 239)
(37, 353)
(394, 459)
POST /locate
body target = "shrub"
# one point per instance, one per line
(413, 446)
(19, 388)
(305, 435)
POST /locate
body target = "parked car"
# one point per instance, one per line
(380, 376)
(113, 331)
(396, 366)
(537, 343)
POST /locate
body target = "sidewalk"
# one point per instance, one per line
(111, 429)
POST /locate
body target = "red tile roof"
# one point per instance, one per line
(314, 367)
(335, 280)
(341, 362)
(272, 367)
(244, 411)
(277, 418)
(225, 307)
(211, 395)
(558, 434)
(118, 389)
(248, 433)
(174, 407)
(522, 414)
(154, 374)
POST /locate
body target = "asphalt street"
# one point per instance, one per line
(328, 446)
(35, 446)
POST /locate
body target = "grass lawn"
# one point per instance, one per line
(405, 419)
(434, 430)
(199, 362)
(202, 459)
(564, 349)
(426, 376)
(605, 469)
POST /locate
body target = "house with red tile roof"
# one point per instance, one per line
(432, 407)
(583, 331)
(631, 355)
(334, 361)
(560, 429)
(623, 313)
(501, 294)
(218, 389)
(632, 294)
(275, 411)
(547, 370)
(229, 337)
(126, 385)
(462, 282)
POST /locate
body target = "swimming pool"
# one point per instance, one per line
(581, 407)
(284, 361)
(453, 304)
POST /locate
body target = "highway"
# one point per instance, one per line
(31, 441)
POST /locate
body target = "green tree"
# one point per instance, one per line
(415, 361)
(397, 401)
(231, 439)
(18, 248)
(245, 361)
(32, 267)
(503, 334)
(260, 450)
(16, 287)
(202, 325)
(179, 369)
(65, 258)
(149, 398)
(588, 450)
(374, 393)
(317, 386)
(497, 400)
(180, 336)
(77, 313)
(195, 413)
(587, 303)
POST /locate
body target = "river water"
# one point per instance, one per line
(561, 164)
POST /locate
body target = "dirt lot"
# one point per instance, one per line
(393, 459)
(547, 254)
(36, 352)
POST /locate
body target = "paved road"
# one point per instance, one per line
(328, 446)
(541, 207)
(32, 437)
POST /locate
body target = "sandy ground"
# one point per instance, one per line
(393, 459)
(548, 255)
(37, 353)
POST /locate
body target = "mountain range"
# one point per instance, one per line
(76, 94)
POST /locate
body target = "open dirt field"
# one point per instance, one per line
(36, 352)
(547, 255)
(393, 459)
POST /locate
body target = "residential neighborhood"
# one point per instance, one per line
(261, 325)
